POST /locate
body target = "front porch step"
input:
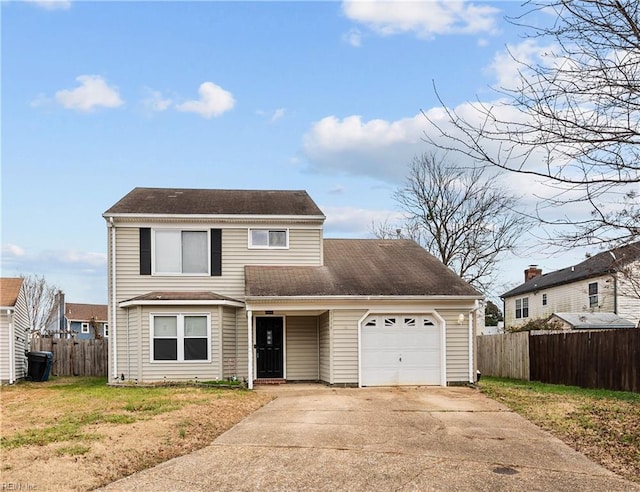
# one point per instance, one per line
(269, 381)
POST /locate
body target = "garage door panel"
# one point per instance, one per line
(400, 350)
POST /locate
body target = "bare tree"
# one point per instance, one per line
(458, 214)
(572, 121)
(42, 303)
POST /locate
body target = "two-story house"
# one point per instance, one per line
(216, 284)
(608, 282)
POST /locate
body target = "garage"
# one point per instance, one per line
(400, 349)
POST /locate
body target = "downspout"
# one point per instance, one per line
(250, 349)
(472, 324)
(114, 327)
(615, 293)
(12, 349)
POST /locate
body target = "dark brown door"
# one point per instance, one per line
(269, 347)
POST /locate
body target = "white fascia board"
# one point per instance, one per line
(160, 302)
(228, 217)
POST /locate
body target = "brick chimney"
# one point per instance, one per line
(532, 272)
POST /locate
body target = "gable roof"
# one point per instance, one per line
(176, 201)
(594, 321)
(600, 264)
(361, 267)
(84, 312)
(9, 291)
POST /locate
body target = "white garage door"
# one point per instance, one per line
(400, 350)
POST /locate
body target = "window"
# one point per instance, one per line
(593, 295)
(269, 238)
(544, 299)
(105, 329)
(180, 337)
(179, 252)
(389, 322)
(522, 308)
(84, 328)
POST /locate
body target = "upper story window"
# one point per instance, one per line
(180, 252)
(177, 251)
(522, 308)
(105, 328)
(269, 238)
(84, 328)
(593, 294)
(544, 299)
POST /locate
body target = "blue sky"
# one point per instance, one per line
(101, 97)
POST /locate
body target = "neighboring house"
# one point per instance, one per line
(608, 282)
(216, 284)
(14, 325)
(82, 320)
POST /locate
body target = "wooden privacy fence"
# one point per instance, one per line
(75, 357)
(595, 359)
(504, 356)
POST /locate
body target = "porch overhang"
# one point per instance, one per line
(181, 299)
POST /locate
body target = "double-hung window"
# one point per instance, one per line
(180, 337)
(181, 252)
(522, 308)
(84, 328)
(269, 238)
(593, 295)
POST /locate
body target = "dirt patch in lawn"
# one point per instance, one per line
(79, 438)
(603, 425)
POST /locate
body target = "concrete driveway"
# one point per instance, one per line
(400, 439)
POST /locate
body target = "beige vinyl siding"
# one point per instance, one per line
(230, 348)
(304, 249)
(568, 298)
(457, 341)
(302, 348)
(243, 344)
(20, 330)
(344, 346)
(324, 338)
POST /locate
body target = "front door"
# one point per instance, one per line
(269, 347)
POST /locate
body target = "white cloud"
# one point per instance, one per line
(507, 65)
(214, 101)
(52, 4)
(424, 19)
(277, 114)
(92, 92)
(337, 190)
(155, 101)
(353, 221)
(12, 250)
(353, 37)
(377, 148)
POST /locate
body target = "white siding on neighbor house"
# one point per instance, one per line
(628, 286)
(325, 346)
(304, 249)
(5, 354)
(344, 345)
(302, 348)
(567, 298)
(17, 323)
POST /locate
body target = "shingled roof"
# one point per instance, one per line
(361, 267)
(175, 201)
(9, 290)
(85, 312)
(600, 264)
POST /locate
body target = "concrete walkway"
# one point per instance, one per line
(401, 439)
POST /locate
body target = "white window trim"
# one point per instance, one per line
(84, 328)
(250, 244)
(105, 330)
(179, 274)
(180, 337)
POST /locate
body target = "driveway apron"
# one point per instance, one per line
(313, 437)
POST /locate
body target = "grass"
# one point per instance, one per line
(604, 425)
(87, 402)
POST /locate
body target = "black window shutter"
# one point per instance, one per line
(145, 251)
(216, 252)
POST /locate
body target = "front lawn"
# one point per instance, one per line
(79, 433)
(603, 425)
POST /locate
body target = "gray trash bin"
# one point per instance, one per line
(39, 365)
